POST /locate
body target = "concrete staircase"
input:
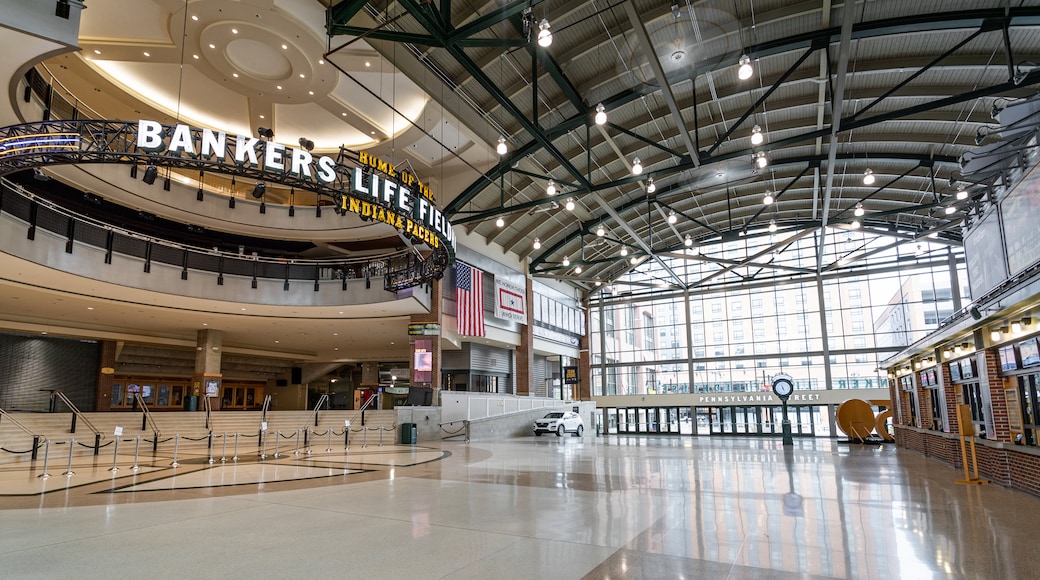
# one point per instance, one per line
(191, 427)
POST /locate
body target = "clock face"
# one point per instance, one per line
(782, 387)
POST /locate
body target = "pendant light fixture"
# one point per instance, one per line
(868, 177)
(756, 135)
(768, 199)
(637, 166)
(650, 186)
(502, 149)
(550, 188)
(545, 36)
(601, 114)
(745, 71)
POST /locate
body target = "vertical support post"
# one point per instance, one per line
(68, 470)
(137, 453)
(46, 455)
(210, 461)
(277, 436)
(297, 450)
(223, 449)
(115, 455)
(176, 443)
(235, 457)
(36, 446)
(97, 444)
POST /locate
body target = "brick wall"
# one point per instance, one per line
(1004, 464)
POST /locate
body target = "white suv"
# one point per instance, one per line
(560, 422)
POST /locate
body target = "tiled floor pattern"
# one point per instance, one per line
(597, 507)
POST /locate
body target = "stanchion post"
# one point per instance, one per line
(155, 443)
(277, 436)
(263, 445)
(364, 438)
(211, 461)
(115, 455)
(297, 450)
(36, 446)
(235, 457)
(137, 453)
(68, 470)
(97, 444)
(176, 443)
(329, 448)
(381, 436)
(223, 449)
(46, 455)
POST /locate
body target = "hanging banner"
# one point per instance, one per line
(510, 301)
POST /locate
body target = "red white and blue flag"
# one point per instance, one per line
(469, 297)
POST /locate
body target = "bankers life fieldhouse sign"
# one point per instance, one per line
(387, 199)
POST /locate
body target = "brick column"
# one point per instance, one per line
(525, 352)
(990, 365)
(106, 368)
(434, 342)
(585, 355)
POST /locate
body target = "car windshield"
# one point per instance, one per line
(554, 416)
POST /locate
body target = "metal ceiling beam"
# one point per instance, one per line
(662, 79)
(482, 23)
(639, 240)
(750, 259)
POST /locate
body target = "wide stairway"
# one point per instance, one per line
(190, 429)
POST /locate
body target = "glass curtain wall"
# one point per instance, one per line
(764, 305)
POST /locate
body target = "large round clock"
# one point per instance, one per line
(783, 386)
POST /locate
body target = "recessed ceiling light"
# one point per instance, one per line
(195, 56)
(243, 309)
(276, 342)
(285, 47)
(90, 307)
(279, 87)
(303, 76)
(45, 332)
(195, 18)
(373, 132)
(234, 75)
(146, 54)
(343, 115)
(211, 45)
(205, 324)
(341, 312)
(234, 31)
(335, 334)
(96, 51)
(262, 117)
(321, 61)
(310, 92)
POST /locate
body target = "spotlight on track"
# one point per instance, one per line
(150, 173)
(259, 189)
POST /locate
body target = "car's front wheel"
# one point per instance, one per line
(559, 431)
(581, 429)
(537, 433)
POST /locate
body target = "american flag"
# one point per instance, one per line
(469, 295)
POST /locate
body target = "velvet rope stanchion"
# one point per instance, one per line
(68, 470)
(46, 455)
(209, 445)
(235, 457)
(296, 451)
(223, 449)
(176, 442)
(137, 454)
(115, 456)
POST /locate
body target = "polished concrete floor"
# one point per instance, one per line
(545, 507)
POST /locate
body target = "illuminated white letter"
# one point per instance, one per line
(213, 144)
(244, 148)
(149, 136)
(326, 169)
(301, 163)
(273, 156)
(181, 140)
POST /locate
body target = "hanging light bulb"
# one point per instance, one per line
(500, 222)
(550, 188)
(537, 244)
(672, 217)
(650, 186)
(502, 149)
(745, 71)
(768, 199)
(761, 161)
(950, 209)
(601, 114)
(854, 224)
(577, 270)
(566, 261)
(637, 166)
(633, 260)
(624, 250)
(687, 241)
(772, 226)
(859, 211)
(962, 193)
(570, 204)
(601, 231)
(756, 135)
(544, 34)
(868, 177)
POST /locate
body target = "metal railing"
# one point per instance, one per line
(146, 418)
(323, 400)
(364, 407)
(209, 412)
(76, 414)
(36, 436)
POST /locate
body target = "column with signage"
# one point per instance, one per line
(205, 381)
(525, 352)
(424, 338)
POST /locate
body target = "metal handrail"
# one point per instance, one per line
(146, 415)
(209, 411)
(322, 400)
(263, 410)
(76, 414)
(362, 410)
(23, 428)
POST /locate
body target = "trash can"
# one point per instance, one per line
(191, 403)
(409, 433)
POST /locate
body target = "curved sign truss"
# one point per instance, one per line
(351, 189)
